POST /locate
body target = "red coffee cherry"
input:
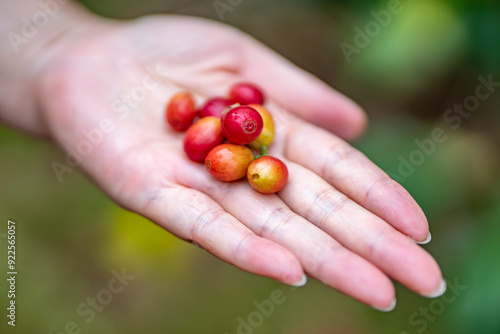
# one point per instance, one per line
(267, 174)
(201, 137)
(215, 106)
(242, 125)
(181, 111)
(228, 162)
(246, 93)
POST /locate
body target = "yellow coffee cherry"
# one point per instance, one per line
(267, 135)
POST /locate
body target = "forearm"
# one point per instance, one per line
(31, 32)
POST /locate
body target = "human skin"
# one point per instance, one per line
(340, 219)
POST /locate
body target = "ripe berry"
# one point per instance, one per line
(267, 135)
(181, 111)
(241, 125)
(246, 93)
(228, 162)
(267, 174)
(214, 107)
(201, 137)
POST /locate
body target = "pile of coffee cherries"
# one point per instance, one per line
(230, 137)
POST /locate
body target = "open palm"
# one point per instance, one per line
(340, 219)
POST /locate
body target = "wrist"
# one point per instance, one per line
(35, 32)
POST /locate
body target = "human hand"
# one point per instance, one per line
(340, 219)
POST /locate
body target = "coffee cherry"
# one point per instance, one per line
(241, 125)
(267, 174)
(181, 111)
(228, 162)
(201, 137)
(267, 135)
(214, 107)
(246, 93)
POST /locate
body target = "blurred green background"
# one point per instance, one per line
(406, 74)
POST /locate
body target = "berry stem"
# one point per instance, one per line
(263, 152)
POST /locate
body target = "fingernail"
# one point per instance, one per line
(426, 241)
(302, 282)
(389, 308)
(440, 290)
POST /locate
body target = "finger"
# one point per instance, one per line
(195, 217)
(140, 181)
(301, 92)
(143, 180)
(320, 255)
(361, 231)
(353, 174)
